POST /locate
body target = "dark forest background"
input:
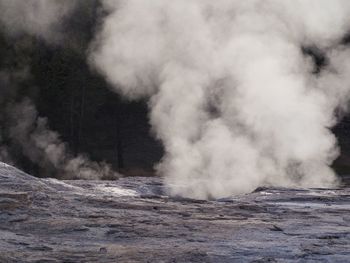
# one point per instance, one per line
(77, 101)
(81, 107)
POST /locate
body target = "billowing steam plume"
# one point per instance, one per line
(22, 131)
(234, 97)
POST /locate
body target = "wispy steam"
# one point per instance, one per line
(41, 18)
(233, 97)
(44, 147)
(23, 133)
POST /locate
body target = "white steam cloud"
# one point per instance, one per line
(41, 18)
(233, 98)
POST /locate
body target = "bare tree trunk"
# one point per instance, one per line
(81, 117)
(118, 140)
(71, 120)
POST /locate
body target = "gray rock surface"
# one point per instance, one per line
(132, 220)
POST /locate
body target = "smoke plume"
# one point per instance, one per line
(232, 96)
(23, 133)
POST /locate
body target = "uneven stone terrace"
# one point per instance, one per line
(132, 220)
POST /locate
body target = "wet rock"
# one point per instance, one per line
(103, 250)
(276, 228)
(260, 189)
(13, 200)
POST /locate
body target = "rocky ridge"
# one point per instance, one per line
(133, 220)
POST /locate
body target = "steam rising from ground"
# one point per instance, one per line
(45, 148)
(235, 101)
(22, 132)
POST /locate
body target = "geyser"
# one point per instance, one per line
(236, 92)
(232, 96)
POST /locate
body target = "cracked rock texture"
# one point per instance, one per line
(132, 220)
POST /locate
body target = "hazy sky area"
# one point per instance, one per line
(219, 98)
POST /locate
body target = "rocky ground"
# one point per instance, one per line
(132, 220)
